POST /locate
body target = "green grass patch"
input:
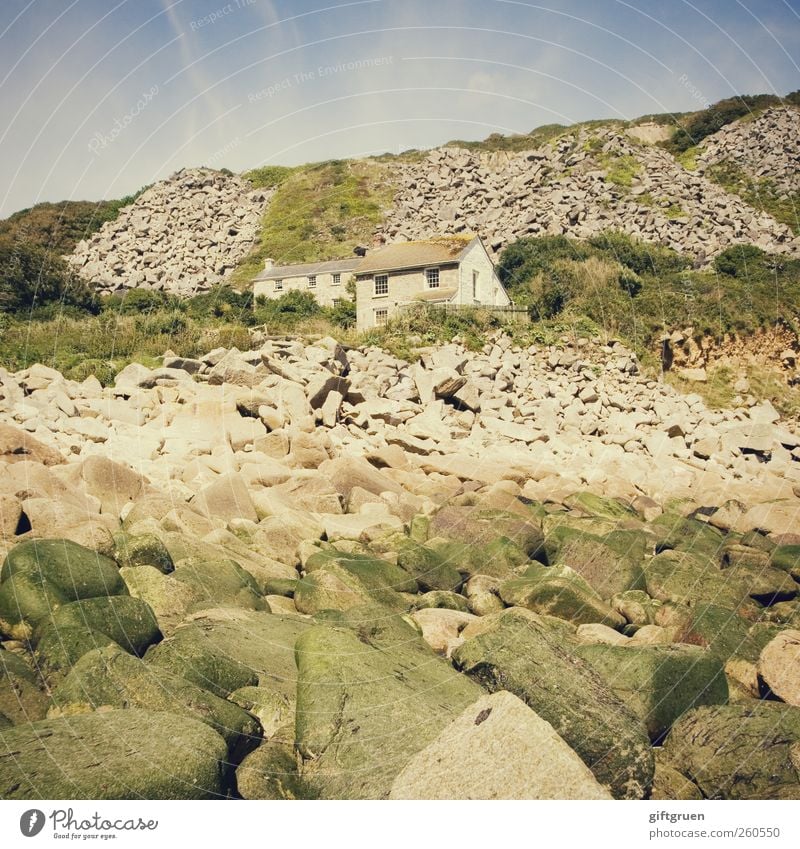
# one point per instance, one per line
(320, 212)
(268, 177)
(620, 170)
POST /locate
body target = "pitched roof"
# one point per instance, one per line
(304, 269)
(406, 255)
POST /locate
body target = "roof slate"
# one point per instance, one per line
(278, 272)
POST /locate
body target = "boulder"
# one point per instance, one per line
(128, 621)
(779, 666)
(523, 653)
(498, 748)
(17, 445)
(744, 751)
(118, 754)
(369, 699)
(110, 677)
(22, 697)
(659, 683)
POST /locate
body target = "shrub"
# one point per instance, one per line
(740, 261)
(640, 257)
(31, 277)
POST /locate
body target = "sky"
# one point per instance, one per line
(101, 97)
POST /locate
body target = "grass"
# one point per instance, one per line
(620, 170)
(675, 212)
(320, 212)
(269, 177)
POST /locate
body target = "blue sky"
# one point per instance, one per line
(100, 97)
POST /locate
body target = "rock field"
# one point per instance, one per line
(302, 571)
(182, 235)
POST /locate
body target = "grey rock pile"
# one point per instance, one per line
(183, 235)
(765, 148)
(303, 571)
(592, 180)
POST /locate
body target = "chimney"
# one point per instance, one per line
(268, 263)
(378, 241)
(360, 250)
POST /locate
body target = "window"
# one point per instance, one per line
(279, 285)
(381, 317)
(337, 279)
(381, 284)
(474, 285)
(432, 275)
(312, 281)
(336, 302)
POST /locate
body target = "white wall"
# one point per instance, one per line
(325, 291)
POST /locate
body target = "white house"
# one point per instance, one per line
(327, 281)
(445, 269)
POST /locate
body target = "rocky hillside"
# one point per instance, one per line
(301, 571)
(183, 235)
(738, 186)
(598, 179)
(765, 148)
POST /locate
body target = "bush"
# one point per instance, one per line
(640, 257)
(740, 261)
(343, 314)
(31, 277)
(287, 310)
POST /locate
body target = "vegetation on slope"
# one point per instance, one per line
(58, 227)
(319, 212)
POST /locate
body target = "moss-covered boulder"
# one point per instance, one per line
(142, 550)
(118, 754)
(24, 601)
(659, 683)
(743, 751)
(787, 558)
(270, 705)
(373, 572)
(76, 571)
(673, 532)
(429, 568)
(128, 621)
(600, 506)
(523, 653)
(112, 678)
(369, 698)
(220, 583)
(59, 648)
(338, 588)
(764, 584)
(719, 629)
(22, 698)
(169, 599)
(39, 576)
(270, 772)
(669, 785)
(636, 606)
(226, 649)
(607, 569)
(690, 578)
(442, 599)
(559, 591)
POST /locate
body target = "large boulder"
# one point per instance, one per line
(118, 754)
(17, 445)
(608, 569)
(743, 751)
(128, 621)
(75, 571)
(498, 748)
(223, 650)
(220, 583)
(22, 698)
(110, 677)
(779, 666)
(659, 683)
(523, 653)
(368, 699)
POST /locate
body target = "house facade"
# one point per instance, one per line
(449, 269)
(442, 270)
(327, 281)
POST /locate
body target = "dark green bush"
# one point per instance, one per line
(740, 261)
